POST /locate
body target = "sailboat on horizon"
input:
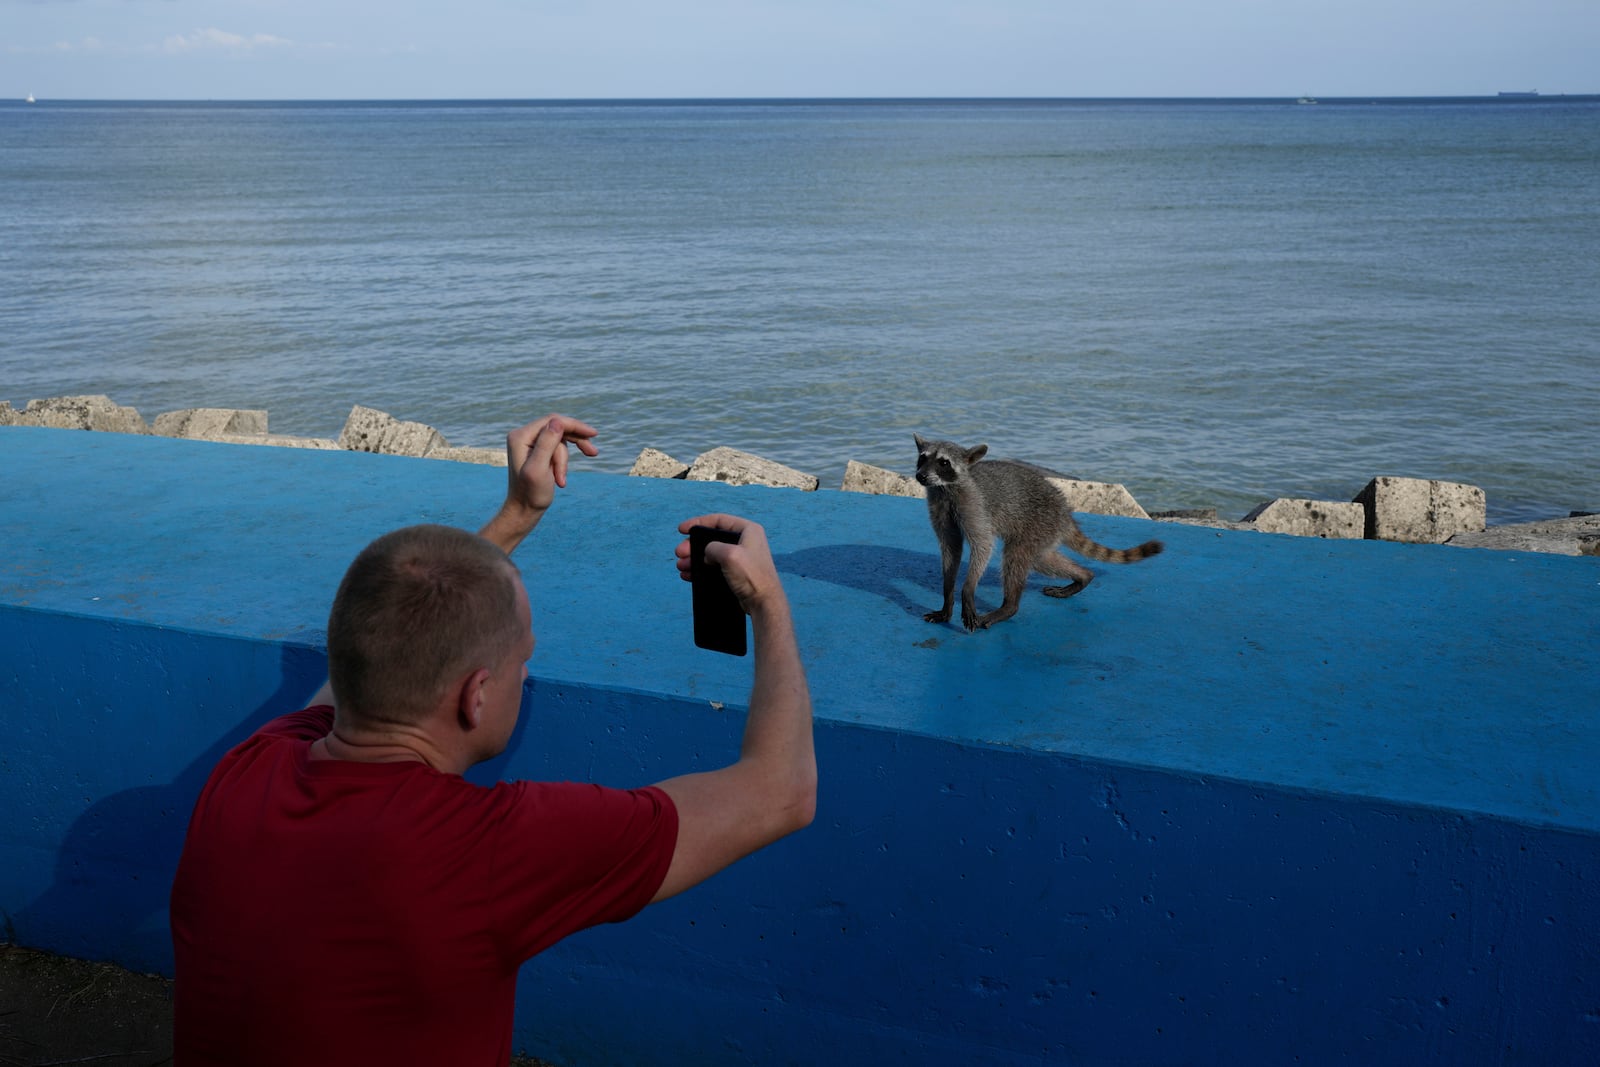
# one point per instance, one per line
(30, 99)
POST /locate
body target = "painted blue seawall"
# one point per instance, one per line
(1257, 800)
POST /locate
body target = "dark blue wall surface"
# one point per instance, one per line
(1257, 800)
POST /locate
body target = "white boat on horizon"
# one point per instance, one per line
(30, 99)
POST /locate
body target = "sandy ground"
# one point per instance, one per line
(56, 1011)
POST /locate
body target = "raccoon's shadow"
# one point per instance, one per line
(895, 574)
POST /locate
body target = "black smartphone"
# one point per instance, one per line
(718, 619)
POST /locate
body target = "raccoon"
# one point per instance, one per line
(975, 501)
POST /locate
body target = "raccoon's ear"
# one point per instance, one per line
(921, 444)
(977, 453)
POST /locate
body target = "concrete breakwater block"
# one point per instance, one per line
(278, 440)
(1310, 518)
(1419, 511)
(489, 457)
(1578, 535)
(371, 430)
(1100, 498)
(865, 478)
(742, 468)
(210, 424)
(654, 463)
(76, 413)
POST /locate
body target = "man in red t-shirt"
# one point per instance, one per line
(345, 896)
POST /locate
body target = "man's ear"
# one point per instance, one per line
(470, 699)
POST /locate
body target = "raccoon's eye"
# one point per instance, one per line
(944, 465)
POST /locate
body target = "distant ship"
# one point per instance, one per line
(1521, 92)
(30, 99)
(1306, 100)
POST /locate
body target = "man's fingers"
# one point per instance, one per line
(537, 455)
(747, 563)
(575, 432)
(558, 428)
(716, 521)
(558, 463)
(548, 452)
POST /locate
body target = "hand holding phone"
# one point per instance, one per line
(719, 619)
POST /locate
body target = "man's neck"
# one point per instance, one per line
(408, 744)
(334, 746)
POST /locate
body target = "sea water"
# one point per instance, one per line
(1213, 302)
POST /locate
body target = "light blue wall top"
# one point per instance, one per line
(1458, 678)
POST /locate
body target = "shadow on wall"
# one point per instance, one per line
(115, 864)
(112, 878)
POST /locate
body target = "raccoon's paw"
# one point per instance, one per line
(1064, 591)
(970, 619)
(937, 616)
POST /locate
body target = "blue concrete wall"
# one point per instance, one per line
(1258, 800)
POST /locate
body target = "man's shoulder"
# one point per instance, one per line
(308, 724)
(580, 794)
(305, 725)
(571, 809)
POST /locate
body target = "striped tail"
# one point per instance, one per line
(1080, 543)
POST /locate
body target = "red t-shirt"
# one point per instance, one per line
(330, 912)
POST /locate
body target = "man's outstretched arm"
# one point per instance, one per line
(725, 815)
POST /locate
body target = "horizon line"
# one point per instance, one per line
(1502, 95)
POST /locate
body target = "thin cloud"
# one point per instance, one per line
(208, 40)
(212, 39)
(87, 44)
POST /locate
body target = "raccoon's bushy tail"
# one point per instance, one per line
(1080, 543)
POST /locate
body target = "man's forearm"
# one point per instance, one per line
(778, 730)
(510, 525)
(771, 790)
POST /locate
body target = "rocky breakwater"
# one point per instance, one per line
(366, 429)
(1411, 510)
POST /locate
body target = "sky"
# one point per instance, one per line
(583, 49)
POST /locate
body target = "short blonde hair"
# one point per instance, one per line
(416, 609)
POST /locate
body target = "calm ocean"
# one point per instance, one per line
(1215, 303)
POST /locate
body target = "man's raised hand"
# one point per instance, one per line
(536, 465)
(536, 456)
(747, 564)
